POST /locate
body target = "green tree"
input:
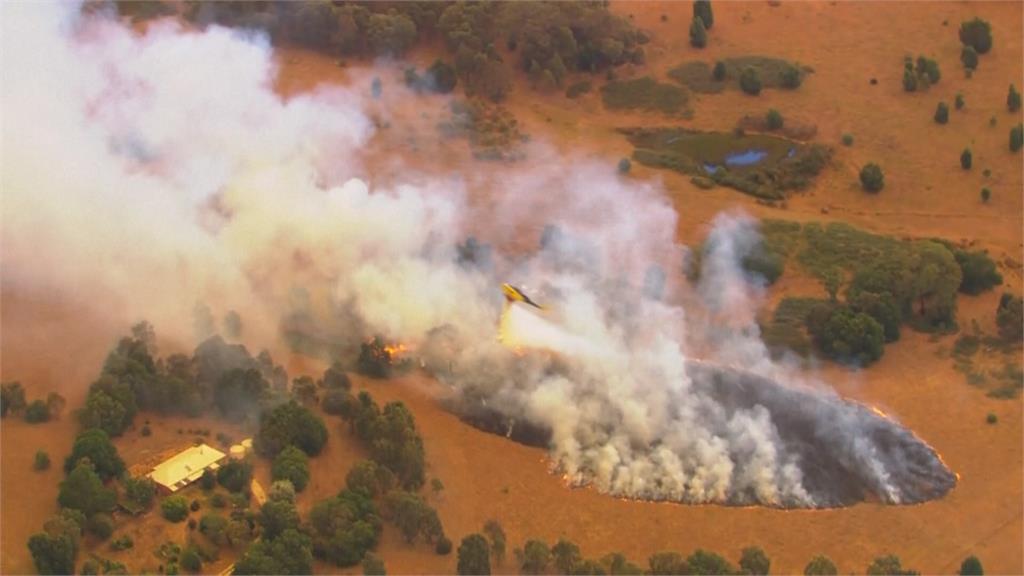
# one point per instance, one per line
(958, 102)
(83, 490)
(966, 159)
(95, 445)
(53, 554)
(535, 557)
(820, 566)
(335, 378)
(215, 528)
(750, 81)
(304, 390)
(208, 481)
(344, 527)
(496, 535)
(624, 166)
(977, 34)
(941, 113)
(791, 77)
(105, 412)
(773, 119)
(140, 490)
(978, 271)
(373, 566)
(442, 77)
(42, 460)
(1013, 99)
(849, 336)
(617, 564)
(474, 556)
(235, 475)
(413, 516)
(971, 566)
(986, 194)
(290, 424)
(276, 516)
(238, 393)
(704, 562)
(174, 508)
(969, 58)
(666, 563)
(339, 402)
(565, 555)
(291, 464)
(289, 553)
(368, 477)
(909, 81)
(390, 34)
(698, 34)
(100, 525)
(888, 566)
(12, 398)
(1016, 137)
(718, 72)
(37, 411)
(190, 560)
(753, 560)
(702, 10)
(872, 178)
(443, 546)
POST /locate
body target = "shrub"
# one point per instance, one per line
(971, 566)
(942, 113)
(36, 412)
(474, 557)
(977, 34)
(42, 460)
(624, 166)
(123, 543)
(718, 72)
(174, 508)
(442, 76)
(986, 195)
(100, 525)
(191, 523)
(140, 491)
(443, 546)
(929, 68)
(1010, 317)
(1013, 99)
(373, 566)
(1016, 137)
(702, 10)
(190, 560)
(966, 159)
(214, 527)
(578, 89)
(146, 431)
(958, 102)
(969, 58)
(750, 81)
(698, 34)
(847, 139)
(991, 418)
(218, 500)
(978, 271)
(872, 178)
(909, 81)
(773, 119)
(753, 560)
(194, 506)
(791, 77)
(704, 562)
(888, 565)
(820, 566)
(291, 464)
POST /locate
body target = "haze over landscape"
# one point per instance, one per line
(661, 287)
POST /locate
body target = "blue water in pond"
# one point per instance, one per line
(746, 158)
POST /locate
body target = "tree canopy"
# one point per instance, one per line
(83, 490)
(95, 445)
(290, 424)
(291, 464)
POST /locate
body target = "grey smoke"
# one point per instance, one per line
(147, 172)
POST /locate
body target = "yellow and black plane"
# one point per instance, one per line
(513, 294)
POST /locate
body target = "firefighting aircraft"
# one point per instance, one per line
(513, 294)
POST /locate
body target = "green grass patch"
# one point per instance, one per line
(644, 94)
(784, 165)
(697, 75)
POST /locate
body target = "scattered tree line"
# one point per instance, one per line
(13, 401)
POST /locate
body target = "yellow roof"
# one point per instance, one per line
(186, 466)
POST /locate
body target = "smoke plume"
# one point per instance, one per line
(148, 171)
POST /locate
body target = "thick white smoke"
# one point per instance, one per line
(144, 172)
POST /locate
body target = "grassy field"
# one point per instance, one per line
(645, 94)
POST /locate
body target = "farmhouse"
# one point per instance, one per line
(186, 467)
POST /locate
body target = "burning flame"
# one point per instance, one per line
(396, 350)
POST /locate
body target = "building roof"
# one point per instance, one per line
(186, 466)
